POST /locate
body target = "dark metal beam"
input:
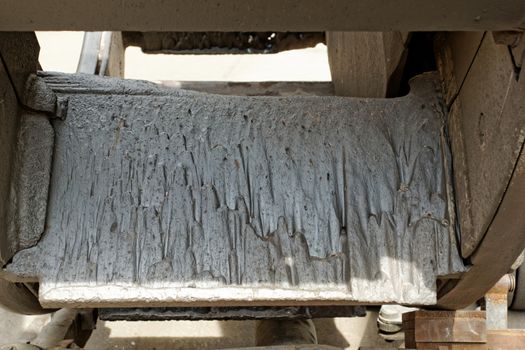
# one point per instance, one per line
(230, 313)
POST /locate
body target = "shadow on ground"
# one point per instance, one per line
(346, 333)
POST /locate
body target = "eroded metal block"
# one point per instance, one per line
(168, 197)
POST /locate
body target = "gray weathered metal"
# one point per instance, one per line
(169, 197)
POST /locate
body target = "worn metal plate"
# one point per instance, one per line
(169, 197)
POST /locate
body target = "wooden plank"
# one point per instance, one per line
(444, 327)
(363, 63)
(508, 339)
(291, 347)
(451, 346)
(256, 15)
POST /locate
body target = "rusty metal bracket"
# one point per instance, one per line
(496, 302)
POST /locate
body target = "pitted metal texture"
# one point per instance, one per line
(168, 197)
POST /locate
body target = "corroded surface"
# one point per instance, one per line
(230, 313)
(161, 196)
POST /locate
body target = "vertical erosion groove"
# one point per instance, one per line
(161, 190)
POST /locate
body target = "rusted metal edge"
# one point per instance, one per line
(57, 294)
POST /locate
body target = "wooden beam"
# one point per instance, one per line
(507, 339)
(256, 15)
(363, 63)
(428, 327)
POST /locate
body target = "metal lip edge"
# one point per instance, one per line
(85, 84)
(138, 296)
